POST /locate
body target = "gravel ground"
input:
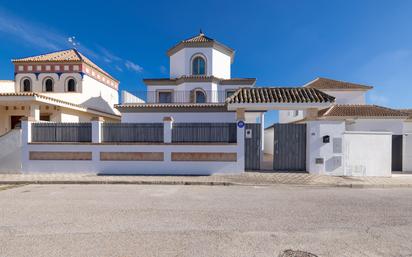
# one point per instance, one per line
(136, 220)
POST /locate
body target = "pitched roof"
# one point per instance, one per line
(408, 111)
(69, 55)
(201, 41)
(330, 84)
(279, 95)
(361, 111)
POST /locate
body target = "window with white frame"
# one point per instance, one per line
(164, 97)
(198, 66)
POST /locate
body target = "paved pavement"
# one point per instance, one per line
(247, 178)
(149, 220)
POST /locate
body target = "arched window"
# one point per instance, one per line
(198, 66)
(26, 85)
(71, 85)
(200, 97)
(48, 85)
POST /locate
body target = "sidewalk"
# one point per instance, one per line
(246, 179)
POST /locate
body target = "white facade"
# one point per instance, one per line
(217, 63)
(89, 91)
(6, 86)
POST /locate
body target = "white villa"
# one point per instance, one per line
(201, 121)
(63, 86)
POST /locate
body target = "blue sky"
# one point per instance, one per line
(281, 43)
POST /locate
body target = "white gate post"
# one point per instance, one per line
(167, 129)
(97, 130)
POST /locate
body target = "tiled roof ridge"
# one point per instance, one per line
(343, 84)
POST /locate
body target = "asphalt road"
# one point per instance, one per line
(195, 221)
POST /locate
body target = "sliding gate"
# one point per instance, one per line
(289, 151)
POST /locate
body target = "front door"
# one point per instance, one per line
(15, 121)
(397, 146)
(252, 146)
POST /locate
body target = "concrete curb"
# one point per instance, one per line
(194, 183)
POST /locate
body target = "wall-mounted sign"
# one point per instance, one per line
(241, 124)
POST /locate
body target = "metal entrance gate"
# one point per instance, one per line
(252, 146)
(289, 150)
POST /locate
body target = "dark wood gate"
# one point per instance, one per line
(289, 151)
(252, 146)
(397, 147)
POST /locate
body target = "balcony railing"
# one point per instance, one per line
(179, 96)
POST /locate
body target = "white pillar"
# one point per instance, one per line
(97, 130)
(167, 129)
(26, 130)
(35, 112)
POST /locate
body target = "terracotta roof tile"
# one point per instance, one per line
(69, 55)
(330, 84)
(361, 111)
(279, 95)
(201, 40)
(169, 105)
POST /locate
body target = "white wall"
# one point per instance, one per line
(89, 92)
(315, 148)
(10, 154)
(368, 154)
(133, 167)
(383, 125)
(287, 116)
(407, 153)
(348, 97)
(7, 86)
(147, 117)
(217, 63)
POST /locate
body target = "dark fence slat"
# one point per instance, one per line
(132, 132)
(61, 132)
(204, 133)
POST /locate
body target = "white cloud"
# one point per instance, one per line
(133, 66)
(117, 67)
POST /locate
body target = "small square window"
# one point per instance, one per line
(76, 67)
(66, 67)
(229, 93)
(38, 67)
(21, 68)
(29, 68)
(48, 67)
(57, 67)
(164, 97)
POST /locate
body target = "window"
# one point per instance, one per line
(26, 85)
(71, 85)
(164, 97)
(229, 93)
(200, 96)
(198, 66)
(48, 85)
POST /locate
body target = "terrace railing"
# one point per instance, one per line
(204, 133)
(61, 132)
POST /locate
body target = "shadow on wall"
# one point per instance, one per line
(98, 103)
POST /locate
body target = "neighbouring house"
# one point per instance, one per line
(351, 109)
(200, 121)
(63, 86)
